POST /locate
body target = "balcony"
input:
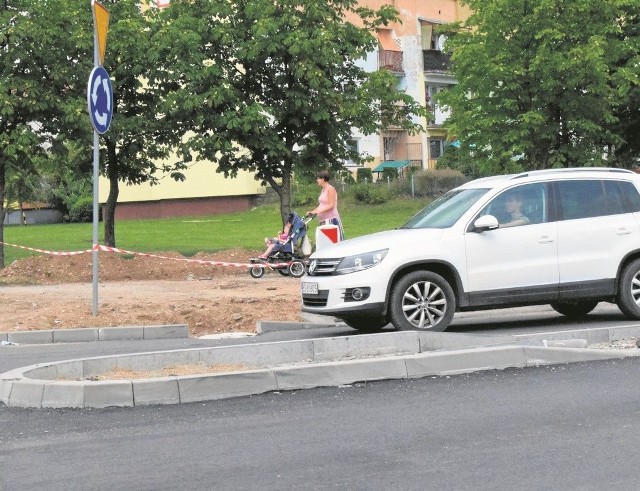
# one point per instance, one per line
(390, 60)
(435, 61)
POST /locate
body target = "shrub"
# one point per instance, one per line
(430, 182)
(389, 173)
(304, 194)
(370, 194)
(81, 210)
(364, 174)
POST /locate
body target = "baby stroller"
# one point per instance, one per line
(287, 257)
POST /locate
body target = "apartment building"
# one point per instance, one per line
(413, 50)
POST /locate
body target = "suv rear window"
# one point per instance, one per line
(593, 198)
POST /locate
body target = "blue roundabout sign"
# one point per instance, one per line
(100, 99)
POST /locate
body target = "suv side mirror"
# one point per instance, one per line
(485, 222)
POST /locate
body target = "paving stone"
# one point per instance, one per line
(108, 393)
(221, 386)
(161, 390)
(31, 337)
(75, 335)
(340, 373)
(166, 332)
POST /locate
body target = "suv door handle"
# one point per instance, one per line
(623, 231)
(545, 239)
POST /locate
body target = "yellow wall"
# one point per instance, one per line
(201, 181)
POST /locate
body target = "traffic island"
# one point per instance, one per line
(288, 365)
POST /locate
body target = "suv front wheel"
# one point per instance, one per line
(422, 300)
(629, 290)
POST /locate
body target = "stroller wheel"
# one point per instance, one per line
(256, 271)
(297, 269)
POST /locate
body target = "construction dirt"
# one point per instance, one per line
(211, 293)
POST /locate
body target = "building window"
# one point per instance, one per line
(353, 146)
(431, 40)
(436, 148)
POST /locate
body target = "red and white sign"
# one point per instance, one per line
(327, 235)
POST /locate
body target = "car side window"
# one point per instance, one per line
(581, 199)
(616, 204)
(520, 205)
(631, 195)
(594, 198)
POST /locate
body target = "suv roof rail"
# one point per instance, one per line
(571, 169)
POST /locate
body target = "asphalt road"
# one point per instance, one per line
(563, 427)
(558, 427)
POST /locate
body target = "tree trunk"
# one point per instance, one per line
(2, 183)
(285, 197)
(109, 214)
(283, 191)
(109, 211)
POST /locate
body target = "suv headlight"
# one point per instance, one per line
(351, 264)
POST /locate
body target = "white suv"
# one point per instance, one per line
(566, 237)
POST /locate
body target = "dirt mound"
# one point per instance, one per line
(209, 292)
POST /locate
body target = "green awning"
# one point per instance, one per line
(392, 164)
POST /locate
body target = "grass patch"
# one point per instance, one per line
(211, 233)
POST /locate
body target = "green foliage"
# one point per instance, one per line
(81, 210)
(429, 183)
(540, 80)
(436, 182)
(304, 195)
(27, 34)
(460, 159)
(364, 174)
(298, 94)
(347, 177)
(47, 49)
(370, 194)
(389, 174)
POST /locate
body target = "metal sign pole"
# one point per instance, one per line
(96, 174)
(100, 112)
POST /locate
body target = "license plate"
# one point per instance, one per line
(310, 288)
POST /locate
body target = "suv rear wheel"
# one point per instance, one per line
(629, 290)
(422, 300)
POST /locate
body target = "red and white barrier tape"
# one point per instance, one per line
(103, 248)
(51, 253)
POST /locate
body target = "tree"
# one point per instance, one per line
(49, 44)
(537, 84)
(140, 140)
(273, 86)
(626, 47)
(28, 96)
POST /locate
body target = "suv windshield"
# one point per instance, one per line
(446, 210)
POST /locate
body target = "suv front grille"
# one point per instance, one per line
(323, 267)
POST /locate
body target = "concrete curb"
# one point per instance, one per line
(273, 326)
(96, 334)
(287, 365)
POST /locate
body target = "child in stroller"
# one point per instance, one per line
(284, 253)
(278, 241)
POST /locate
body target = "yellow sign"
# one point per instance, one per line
(101, 27)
